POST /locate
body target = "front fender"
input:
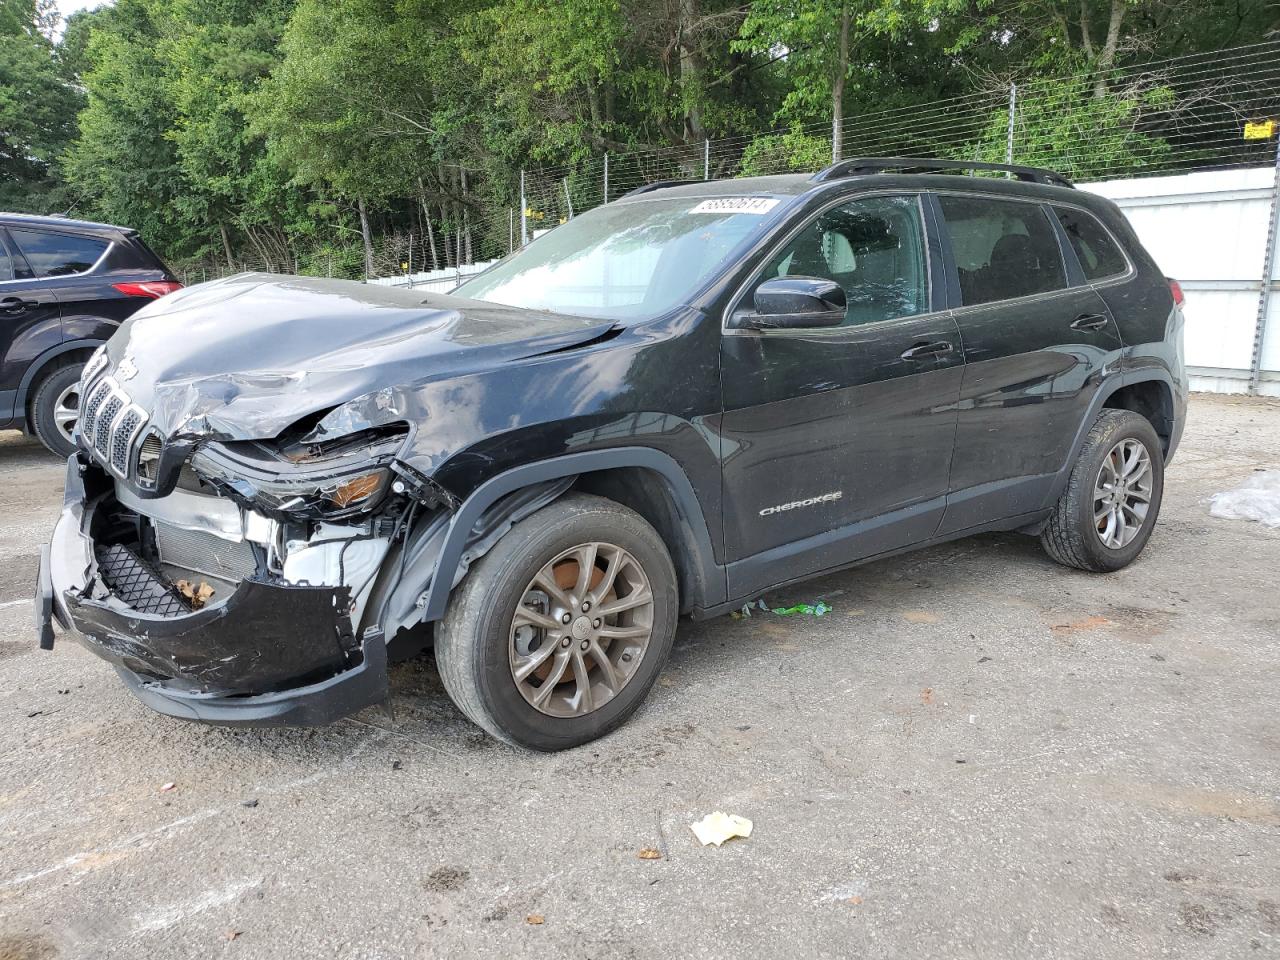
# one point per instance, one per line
(463, 521)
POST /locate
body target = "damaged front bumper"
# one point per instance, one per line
(270, 652)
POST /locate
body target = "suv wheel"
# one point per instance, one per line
(556, 635)
(55, 408)
(1105, 516)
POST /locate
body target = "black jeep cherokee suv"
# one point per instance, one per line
(668, 405)
(65, 286)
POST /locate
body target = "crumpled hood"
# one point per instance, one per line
(245, 357)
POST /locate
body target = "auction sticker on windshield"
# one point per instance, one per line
(757, 205)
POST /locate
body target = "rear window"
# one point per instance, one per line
(1003, 248)
(58, 254)
(1098, 254)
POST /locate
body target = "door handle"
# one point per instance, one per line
(16, 305)
(1089, 321)
(921, 351)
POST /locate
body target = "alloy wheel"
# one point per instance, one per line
(66, 411)
(581, 629)
(1122, 493)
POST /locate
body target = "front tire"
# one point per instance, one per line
(557, 634)
(55, 407)
(1107, 512)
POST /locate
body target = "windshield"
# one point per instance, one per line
(624, 261)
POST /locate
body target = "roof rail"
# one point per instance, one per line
(862, 166)
(658, 185)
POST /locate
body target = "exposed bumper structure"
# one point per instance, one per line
(269, 653)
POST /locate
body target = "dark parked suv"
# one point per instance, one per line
(670, 404)
(65, 286)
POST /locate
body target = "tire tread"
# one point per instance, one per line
(1063, 537)
(457, 643)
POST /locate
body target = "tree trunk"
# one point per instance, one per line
(426, 225)
(837, 88)
(226, 246)
(466, 216)
(1086, 31)
(445, 236)
(1107, 56)
(690, 72)
(456, 210)
(367, 237)
(267, 263)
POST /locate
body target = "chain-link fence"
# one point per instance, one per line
(1204, 111)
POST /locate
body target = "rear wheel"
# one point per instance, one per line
(1105, 516)
(558, 633)
(55, 407)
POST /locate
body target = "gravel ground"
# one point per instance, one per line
(978, 754)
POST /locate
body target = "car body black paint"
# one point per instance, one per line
(67, 314)
(731, 420)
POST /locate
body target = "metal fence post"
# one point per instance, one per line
(1264, 295)
(524, 212)
(1013, 106)
(706, 159)
(568, 199)
(606, 177)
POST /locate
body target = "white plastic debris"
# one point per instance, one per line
(718, 827)
(1258, 498)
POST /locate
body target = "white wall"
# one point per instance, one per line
(1208, 231)
(434, 281)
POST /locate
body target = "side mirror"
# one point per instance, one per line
(786, 302)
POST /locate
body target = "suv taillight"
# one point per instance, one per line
(151, 289)
(1176, 289)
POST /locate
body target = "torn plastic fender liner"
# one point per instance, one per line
(265, 636)
(404, 606)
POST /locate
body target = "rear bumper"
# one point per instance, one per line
(271, 653)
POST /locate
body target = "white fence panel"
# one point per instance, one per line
(1208, 230)
(435, 281)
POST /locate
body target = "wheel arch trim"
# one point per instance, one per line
(1105, 391)
(591, 461)
(35, 369)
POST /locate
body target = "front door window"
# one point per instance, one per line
(874, 248)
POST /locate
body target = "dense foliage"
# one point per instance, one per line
(291, 133)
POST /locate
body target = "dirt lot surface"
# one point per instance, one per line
(977, 754)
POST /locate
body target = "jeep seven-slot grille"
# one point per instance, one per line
(110, 426)
(120, 440)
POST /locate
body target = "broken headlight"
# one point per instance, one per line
(348, 475)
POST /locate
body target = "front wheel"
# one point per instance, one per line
(557, 634)
(1105, 516)
(55, 407)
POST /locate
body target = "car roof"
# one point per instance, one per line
(791, 184)
(797, 184)
(61, 223)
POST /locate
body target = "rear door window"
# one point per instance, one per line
(1003, 248)
(58, 254)
(1098, 254)
(6, 263)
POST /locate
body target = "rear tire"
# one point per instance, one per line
(54, 409)
(586, 666)
(1107, 512)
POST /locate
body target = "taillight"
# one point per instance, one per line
(1176, 289)
(151, 289)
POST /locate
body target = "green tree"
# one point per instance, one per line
(349, 109)
(37, 108)
(124, 166)
(822, 45)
